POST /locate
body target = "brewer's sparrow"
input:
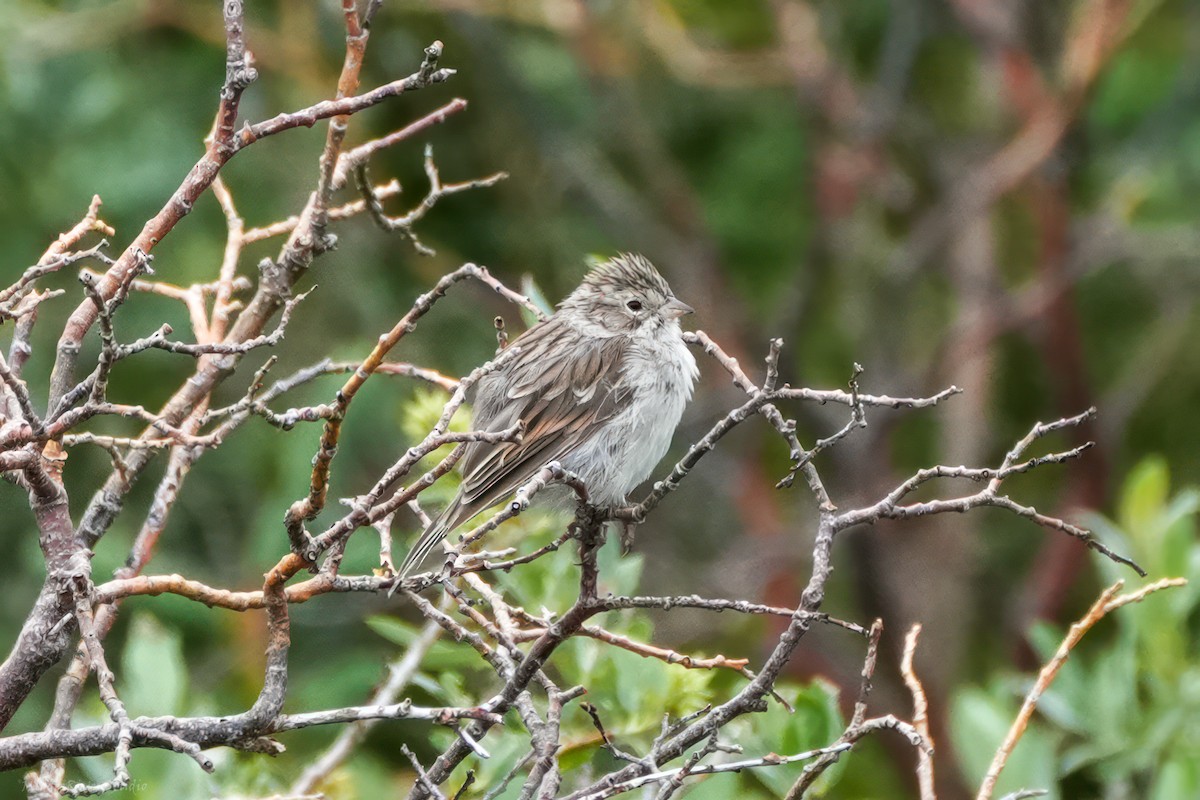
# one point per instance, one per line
(599, 387)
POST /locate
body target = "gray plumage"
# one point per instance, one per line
(600, 387)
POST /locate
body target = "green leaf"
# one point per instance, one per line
(530, 289)
(1114, 704)
(979, 721)
(1176, 779)
(1142, 500)
(441, 655)
(1116, 539)
(1178, 521)
(153, 672)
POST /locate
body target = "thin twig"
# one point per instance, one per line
(920, 718)
(1108, 601)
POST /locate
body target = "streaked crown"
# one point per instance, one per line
(627, 271)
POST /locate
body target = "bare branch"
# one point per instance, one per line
(204, 173)
(920, 713)
(309, 507)
(351, 159)
(437, 190)
(337, 213)
(889, 507)
(1108, 601)
(771, 760)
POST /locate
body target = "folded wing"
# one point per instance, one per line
(562, 386)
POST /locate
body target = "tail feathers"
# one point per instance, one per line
(429, 539)
(439, 529)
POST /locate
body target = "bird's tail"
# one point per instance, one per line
(446, 522)
(434, 534)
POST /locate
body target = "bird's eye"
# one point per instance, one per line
(634, 305)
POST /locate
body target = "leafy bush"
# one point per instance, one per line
(1122, 719)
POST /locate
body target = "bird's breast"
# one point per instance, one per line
(661, 375)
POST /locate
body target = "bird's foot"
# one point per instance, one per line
(627, 530)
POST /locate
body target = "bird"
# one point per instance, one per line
(598, 387)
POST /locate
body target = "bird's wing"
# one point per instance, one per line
(561, 402)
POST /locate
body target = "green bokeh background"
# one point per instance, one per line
(778, 161)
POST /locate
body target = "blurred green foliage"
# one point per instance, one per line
(631, 692)
(1122, 719)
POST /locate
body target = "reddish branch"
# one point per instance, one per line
(1095, 33)
(201, 177)
(308, 508)
(220, 343)
(1108, 601)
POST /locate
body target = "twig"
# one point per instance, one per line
(351, 159)
(308, 507)
(549, 475)
(1108, 601)
(400, 673)
(616, 752)
(646, 650)
(722, 604)
(337, 213)
(771, 760)
(920, 713)
(437, 190)
(158, 338)
(858, 419)
(108, 693)
(889, 506)
(499, 788)
(856, 729)
(44, 267)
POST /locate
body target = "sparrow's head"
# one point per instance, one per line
(625, 294)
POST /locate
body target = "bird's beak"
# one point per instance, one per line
(674, 309)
